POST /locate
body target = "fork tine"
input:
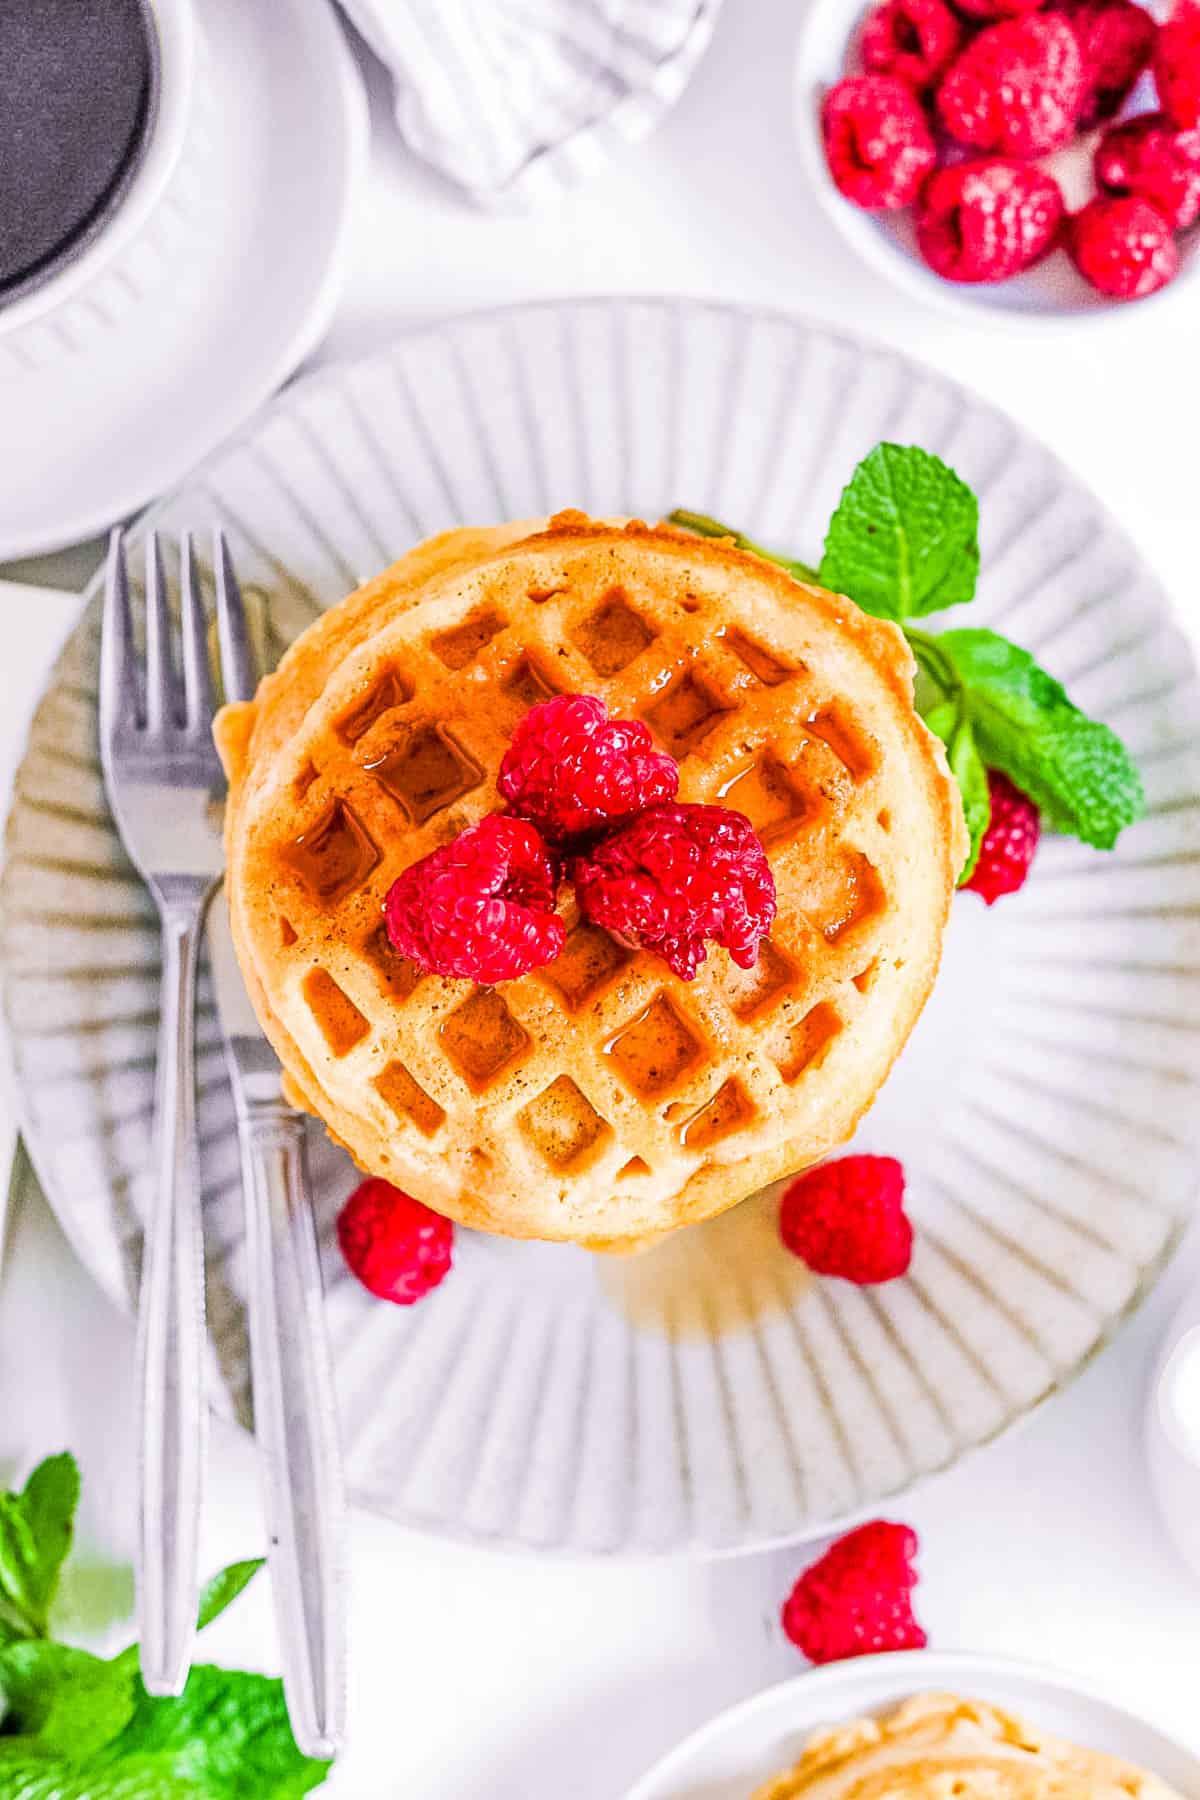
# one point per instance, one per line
(197, 673)
(162, 683)
(237, 654)
(120, 672)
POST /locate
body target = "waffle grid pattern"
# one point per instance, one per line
(606, 1065)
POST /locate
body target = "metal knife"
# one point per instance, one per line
(295, 1420)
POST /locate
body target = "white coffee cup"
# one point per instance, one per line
(99, 277)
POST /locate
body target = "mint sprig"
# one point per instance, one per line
(79, 1727)
(224, 1589)
(904, 540)
(227, 1732)
(904, 543)
(949, 722)
(36, 1526)
(703, 526)
(60, 1702)
(1075, 769)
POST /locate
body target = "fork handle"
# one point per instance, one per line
(171, 1328)
(295, 1420)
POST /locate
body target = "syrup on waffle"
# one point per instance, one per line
(601, 1098)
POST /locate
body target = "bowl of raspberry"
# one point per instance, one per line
(1039, 159)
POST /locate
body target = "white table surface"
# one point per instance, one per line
(508, 1678)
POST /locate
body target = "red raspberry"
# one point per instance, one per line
(914, 40)
(1116, 41)
(1016, 88)
(572, 770)
(1148, 157)
(987, 220)
(1008, 843)
(998, 9)
(1123, 246)
(1177, 65)
(856, 1600)
(398, 1248)
(677, 875)
(481, 908)
(847, 1218)
(877, 142)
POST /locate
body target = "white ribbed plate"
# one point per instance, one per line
(1047, 1110)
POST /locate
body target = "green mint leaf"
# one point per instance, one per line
(55, 1700)
(36, 1526)
(25, 1776)
(703, 526)
(228, 1732)
(220, 1592)
(51, 1500)
(224, 1589)
(905, 537)
(18, 1557)
(967, 766)
(1075, 769)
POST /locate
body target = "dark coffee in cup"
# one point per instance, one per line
(78, 87)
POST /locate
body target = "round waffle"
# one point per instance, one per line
(601, 1098)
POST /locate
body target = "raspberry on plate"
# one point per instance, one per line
(877, 141)
(1177, 65)
(1017, 88)
(1116, 41)
(847, 1218)
(480, 908)
(1148, 157)
(988, 219)
(856, 1600)
(398, 1248)
(1009, 843)
(676, 878)
(1123, 246)
(914, 40)
(571, 770)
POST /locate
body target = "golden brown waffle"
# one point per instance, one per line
(938, 1746)
(599, 1099)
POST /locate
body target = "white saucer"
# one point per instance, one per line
(728, 1758)
(277, 143)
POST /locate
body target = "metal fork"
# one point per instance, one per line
(164, 784)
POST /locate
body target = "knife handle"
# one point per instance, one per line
(295, 1422)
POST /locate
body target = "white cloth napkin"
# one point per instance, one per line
(512, 98)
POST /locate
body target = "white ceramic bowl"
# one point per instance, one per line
(728, 1758)
(95, 287)
(1050, 294)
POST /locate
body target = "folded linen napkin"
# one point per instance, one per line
(513, 98)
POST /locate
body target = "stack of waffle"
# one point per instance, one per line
(601, 1098)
